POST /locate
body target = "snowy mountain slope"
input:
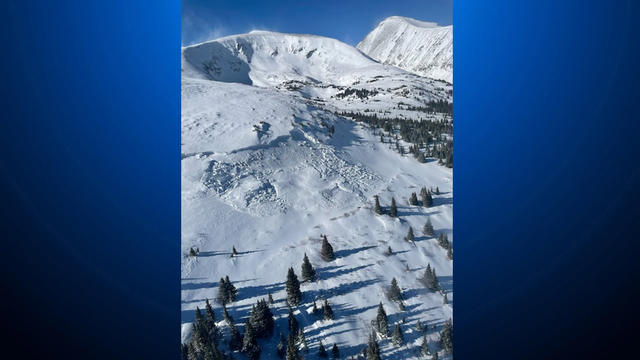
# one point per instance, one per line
(416, 46)
(261, 171)
(317, 68)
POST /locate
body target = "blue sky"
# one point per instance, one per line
(344, 20)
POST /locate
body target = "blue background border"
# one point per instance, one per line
(546, 181)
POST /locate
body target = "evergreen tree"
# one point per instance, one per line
(193, 252)
(430, 279)
(327, 250)
(427, 199)
(249, 343)
(373, 351)
(421, 158)
(376, 207)
(184, 352)
(413, 199)
(437, 191)
(435, 356)
(302, 340)
(293, 322)
(418, 326)
(327, 312)
(261, 320)
(389, 251)
(270, 297)
(395, 293)
(443, 241)
(428, 228)
(292, 285)
(424, 347)
(222, 291)
(322, 353)
(397, 337)
(226, 315)
(393, 211)
(235, 340)
(234, 252)
(292, 349)
(308, 273)
(232, 292)
(445, 300)
(315, 308)
(446, 336)
(335, 352)
(410, 236)
(210, 321)
(381, 322)
(450, 253)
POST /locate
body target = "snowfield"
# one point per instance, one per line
(262, 171)
(416, 46)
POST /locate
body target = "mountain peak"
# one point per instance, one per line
(410, 21)
(420, 47)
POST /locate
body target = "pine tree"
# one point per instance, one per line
(381, 322)
(373, 351)
(293, 322)
(418, 326)
(445, 300)
(376, 207)
(424, 347)
(327, 312)
(450, 253)
(250, 344)
(270, 297)
(302, 340)
(437, 191)
(427, 199)
(395, 293)
(261, 319)
(232, 292)
(428, 228)
(421, 158)
(235, 340)
(327, 250)
(393, 211)
(210, 321)
(292, 349)
(226, 315)
(397, 337)
(435, 356)
(410, 237)
(446, 336)
(413, 199)
(294, 296)
(389, 251)
(315, 308)
(322, 353)
(430, 279)
(234, 252)
(308, 273)
(335, 352)
(184, 352)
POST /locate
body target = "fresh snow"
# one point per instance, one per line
(416, 46)
(261, 172)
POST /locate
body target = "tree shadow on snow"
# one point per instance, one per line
(347, 252)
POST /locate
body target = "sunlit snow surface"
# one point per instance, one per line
(261, 172)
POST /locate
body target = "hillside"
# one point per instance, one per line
(269, 164)
(416, 46)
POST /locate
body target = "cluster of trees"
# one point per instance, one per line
(430, 280)
(443, 241)
(429, 139)
(360, 93)
(226, 291)
(433, 106)
(393, 209)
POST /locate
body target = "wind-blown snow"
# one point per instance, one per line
(261, 172)
(416, 46)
